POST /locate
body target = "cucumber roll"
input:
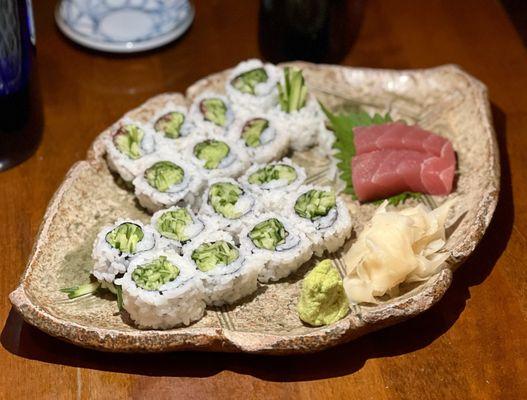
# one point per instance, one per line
(271, 182)
(161, 290)
(321, 215)
(217, 158)
(211, 113)
(259, 137)
(275, 241)
(177, 226)
(171, 126)
(166, 180)
(297, 112)
(251, 86)
(128, 144)
(228, 204)
(115, 245)
(226, 272)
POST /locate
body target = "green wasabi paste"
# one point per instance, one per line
(322, 297)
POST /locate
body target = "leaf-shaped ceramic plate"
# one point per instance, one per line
(444, 99)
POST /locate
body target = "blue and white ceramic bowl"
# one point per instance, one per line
(124, 26)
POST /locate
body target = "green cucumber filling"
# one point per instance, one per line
(173, 224)
(125, 237)
(128, 139)
(156, 273)
(314, 204)
(214, 110)
(268, 234)
(223, 197)
(247, 81)
(292, 96)
(252, 131)
(170, 124)
(273, 172)
(164, 174)
(212, 152)
(211, 255)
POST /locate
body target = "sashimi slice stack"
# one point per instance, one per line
(394, 158)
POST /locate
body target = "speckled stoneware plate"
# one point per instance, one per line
(444, 99)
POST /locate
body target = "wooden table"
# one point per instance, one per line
(470, 345)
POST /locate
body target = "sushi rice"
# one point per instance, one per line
(251, 86)
(129, 142)
(275, 241)
(116, 244)
(325, 219)
(227, 272)
(162, 290)
(165, 180)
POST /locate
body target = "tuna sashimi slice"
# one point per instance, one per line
(384, 173)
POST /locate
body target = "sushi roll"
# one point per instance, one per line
(251, 86)
(211, 114)
(128, 144)
(275, 241)
(298, 112)
(229, 204)
(116, 244)
(171, 126)
(259, 137)
(271, 182)
(215, 158)
(162, 290)
(177, 226)
(321, 215)
(165, 180)
(226, 272)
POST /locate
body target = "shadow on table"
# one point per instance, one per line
(26, 341)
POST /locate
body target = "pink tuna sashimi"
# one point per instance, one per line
(384, 173)
(396, 135)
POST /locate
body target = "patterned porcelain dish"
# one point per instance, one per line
(123, 26)
(443, 99)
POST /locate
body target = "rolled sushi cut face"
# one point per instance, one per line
(211, 255)
(273, 172)
(269, 234)
(316, 204)
(212, 152)
(246, 82)
(127, 139)
(178, 225)
(214, 110)
(253, 132)
(125, 237)
(169, 124)
(163, 175)
(154, 274)
(224, 199)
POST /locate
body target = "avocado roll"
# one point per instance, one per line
(176, 226)
(321, 215)
(216, 158)
(275, 241)
(161, 290)
(211, 114)
(165, 180)
(259, 137)
(251, 86)
(229, 204)
(298, 111)
(270, 182)
(129, 142)
(116, 244)
(226, 272)
(171, 126)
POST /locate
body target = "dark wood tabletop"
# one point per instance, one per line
(472, 344)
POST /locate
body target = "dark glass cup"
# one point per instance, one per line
(309, 30)
(20, 106)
